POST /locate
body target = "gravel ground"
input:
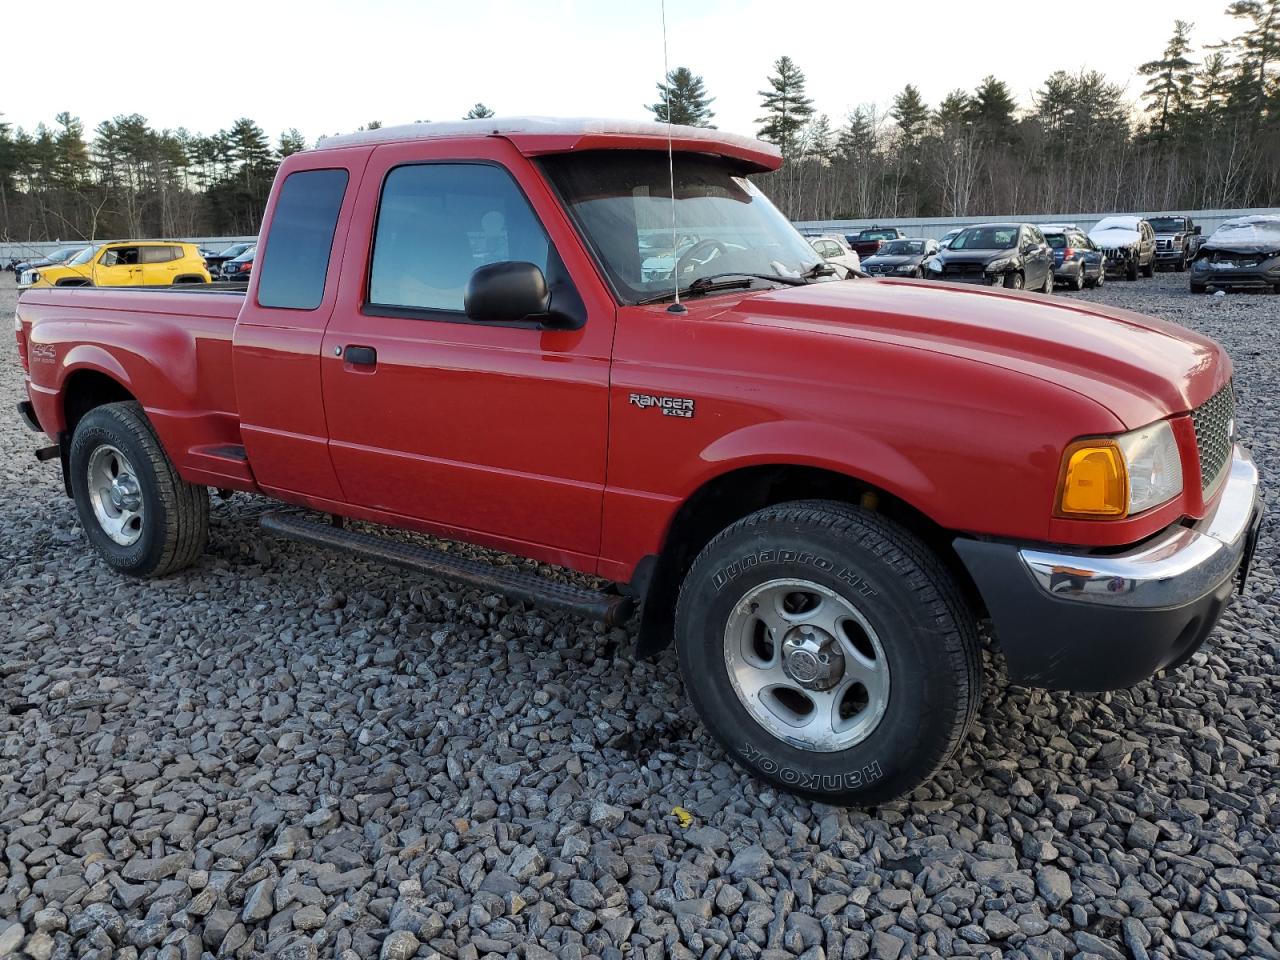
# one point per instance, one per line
(289, 754)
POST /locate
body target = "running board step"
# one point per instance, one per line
(612, 609)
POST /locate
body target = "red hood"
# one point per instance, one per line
(1140, 368)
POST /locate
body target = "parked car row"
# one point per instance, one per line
(1040, 256)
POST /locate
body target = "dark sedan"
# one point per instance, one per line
(214, 262)
(900, 258)
(1076, 261)
(1013, 255)
(61, 255)
(1242, 254)
(239, 268)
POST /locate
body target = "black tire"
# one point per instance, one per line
(1131, 271)
(1014, 280)
(174, 521)
(1150, 269)
(1197, 288)
(905, 594)
(1181, 266)
(189, 278)
(1079, 282)
(1047, 287)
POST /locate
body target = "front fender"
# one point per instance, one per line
(826, 446)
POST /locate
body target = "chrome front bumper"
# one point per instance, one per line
(1086, 621)
(1179, 565)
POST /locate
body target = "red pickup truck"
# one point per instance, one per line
(817, 488)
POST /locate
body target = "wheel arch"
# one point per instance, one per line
(84, 389)
(730, 495)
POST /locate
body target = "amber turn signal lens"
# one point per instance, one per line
(1095, 481)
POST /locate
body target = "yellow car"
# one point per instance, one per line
(124, 263)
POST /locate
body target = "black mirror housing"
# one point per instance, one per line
(506, 292)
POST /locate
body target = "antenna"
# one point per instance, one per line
(677, 306)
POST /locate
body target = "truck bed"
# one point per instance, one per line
(176, 340)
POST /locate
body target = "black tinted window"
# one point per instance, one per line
(297, 256)
(158, 254)
(437, 222)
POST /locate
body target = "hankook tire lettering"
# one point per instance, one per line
(847, 780)
(735, 569)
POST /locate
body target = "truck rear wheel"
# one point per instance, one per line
(137, 512)
(829, 651)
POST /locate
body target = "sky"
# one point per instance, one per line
(329, 66)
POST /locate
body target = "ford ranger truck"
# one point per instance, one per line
(816, 489)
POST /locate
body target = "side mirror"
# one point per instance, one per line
(1196, 231)
(506, 291)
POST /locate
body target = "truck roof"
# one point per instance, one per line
(534, 136)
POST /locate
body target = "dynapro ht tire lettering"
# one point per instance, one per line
(829, 651)
(137, 512)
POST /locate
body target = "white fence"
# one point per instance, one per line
(936, 227)
(30, 250)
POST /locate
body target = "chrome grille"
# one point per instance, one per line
(1214, 422)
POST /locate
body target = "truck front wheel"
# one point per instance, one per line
(829, 651)
(137, 512)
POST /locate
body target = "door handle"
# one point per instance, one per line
(360, 356)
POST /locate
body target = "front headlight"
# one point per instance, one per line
(904, 268)
(1116, 477)
(997, 266)
(934, 265)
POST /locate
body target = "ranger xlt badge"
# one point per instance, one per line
(670, 406)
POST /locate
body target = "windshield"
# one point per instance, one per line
(234, 250)
(1057, 240)
(62, 253)
(878, 235)
(902, 248)
(621, 201)
(985, 238)
(1168, 224)
(84, 256)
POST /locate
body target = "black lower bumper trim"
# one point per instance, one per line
(1062, 644)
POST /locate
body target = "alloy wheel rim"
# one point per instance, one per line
(116, 495)
(807, 665)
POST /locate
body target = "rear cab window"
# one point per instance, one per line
(292, 273)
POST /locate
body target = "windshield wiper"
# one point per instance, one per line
(718, 281)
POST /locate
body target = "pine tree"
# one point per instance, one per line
(786, 107)
(910, 113)
(955, 111)
(685, 96)
(858, 140)
(819, 137)
(1256, 80)
(1171, 79)
(291, 142)
(478, 112)
(994, 109)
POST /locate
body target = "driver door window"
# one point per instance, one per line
(437, 223)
